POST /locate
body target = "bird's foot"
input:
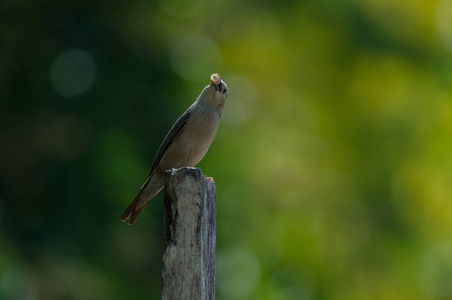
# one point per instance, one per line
(209, 178)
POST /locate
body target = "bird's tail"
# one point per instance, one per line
(150, 188)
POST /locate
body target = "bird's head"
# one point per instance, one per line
(217, 90)
(219, 85)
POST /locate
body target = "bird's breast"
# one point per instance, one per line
(191, 144)
(198, 139)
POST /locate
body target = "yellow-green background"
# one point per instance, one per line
(333, 161)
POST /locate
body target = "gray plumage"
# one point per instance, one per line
(185, 144)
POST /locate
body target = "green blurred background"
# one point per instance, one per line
(333, 161)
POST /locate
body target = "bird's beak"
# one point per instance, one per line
(216, 86)
(215, 81)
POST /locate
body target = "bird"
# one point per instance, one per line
(185, 144)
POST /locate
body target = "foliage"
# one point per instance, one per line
(332, 161)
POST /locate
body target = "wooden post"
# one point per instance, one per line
(189, 236)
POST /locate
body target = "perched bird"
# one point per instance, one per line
(185, 144)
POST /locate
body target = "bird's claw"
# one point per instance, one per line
(208, 178)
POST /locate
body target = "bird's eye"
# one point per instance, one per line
(224, 91)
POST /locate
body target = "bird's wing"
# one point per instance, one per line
(175, 130)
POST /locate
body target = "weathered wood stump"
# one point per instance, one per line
(189, 237)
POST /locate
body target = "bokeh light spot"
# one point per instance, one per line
(243, 99)
(435, 272)
(17, 283)
(238, 272)
(73, 73)
(444, 22)
(193, 56)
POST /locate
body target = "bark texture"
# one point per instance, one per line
(189, 235)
